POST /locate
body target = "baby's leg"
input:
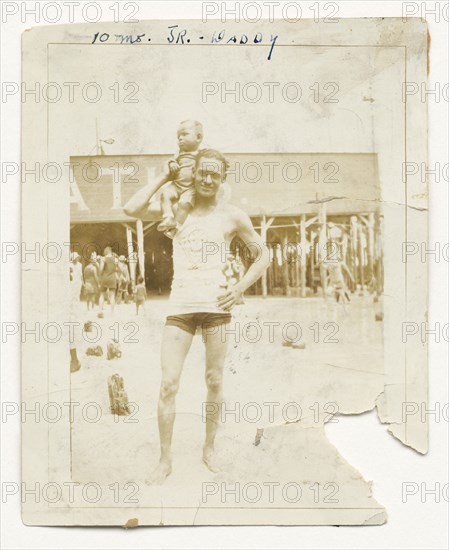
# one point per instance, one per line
(185, 205)
(168, 196)
(182, 212)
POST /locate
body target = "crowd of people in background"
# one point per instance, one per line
(104, 279)
(107, 279)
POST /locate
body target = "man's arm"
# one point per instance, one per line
(138, 203)
(259, 254)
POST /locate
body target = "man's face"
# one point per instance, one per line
(188, 137)
(208, 177)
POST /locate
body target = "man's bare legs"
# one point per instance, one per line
(341, 295)
(216, 346)
(111, 298)
(175, 346)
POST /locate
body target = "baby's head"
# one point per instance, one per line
(190, 135)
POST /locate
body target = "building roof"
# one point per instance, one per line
(272, 184)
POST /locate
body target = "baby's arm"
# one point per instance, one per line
(173, 168)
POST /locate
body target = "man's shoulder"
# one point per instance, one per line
(236, 217)
(234, 211)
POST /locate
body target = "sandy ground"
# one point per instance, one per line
(289, 393)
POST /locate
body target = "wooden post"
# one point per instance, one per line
(285, 265)
(269, 274)
(370, 226)
(360, 255)
(303, 258)
(379, 248)
(312, 261)
(131, 256)
(263, 234)
(140, 248)
(354, 247)
(297, 270)
(322, 247)
(264, 225)
(344, 248)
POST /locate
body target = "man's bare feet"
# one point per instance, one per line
(209, 459)
(159, 475)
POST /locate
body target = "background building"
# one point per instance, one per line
(305, 206)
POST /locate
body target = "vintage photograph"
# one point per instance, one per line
(232, 206)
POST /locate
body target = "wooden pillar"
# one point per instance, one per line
(140, 248)
(275, 266)
(303, 259)
(312, 261)
(285, 264)
(269, 273)
(131, 256)
(344, 248)
(379, 247)
(264, 225)
(354, 247)
(370, 250)
(263, 234)
(297, 269)
(361, 255)
(322, 247)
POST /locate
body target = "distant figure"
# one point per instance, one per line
(140, 295)
(108, 277)
(123, 281)
(76, 275)
(335, 269)
(74, 301)
(91, 283)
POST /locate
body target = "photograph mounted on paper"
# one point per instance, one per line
(232, 218)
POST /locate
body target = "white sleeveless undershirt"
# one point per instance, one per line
(199, 253)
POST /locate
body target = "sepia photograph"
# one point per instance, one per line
(227, 219)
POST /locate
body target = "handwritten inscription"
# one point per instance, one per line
(176, 35)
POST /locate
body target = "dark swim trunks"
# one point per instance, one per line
(190, 321)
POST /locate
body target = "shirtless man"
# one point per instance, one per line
(200, 297)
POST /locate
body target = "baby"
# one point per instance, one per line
(180, 189)
(177, 183)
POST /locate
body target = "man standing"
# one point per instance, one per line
(200, 295)
(124, 279)
(109, 272)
